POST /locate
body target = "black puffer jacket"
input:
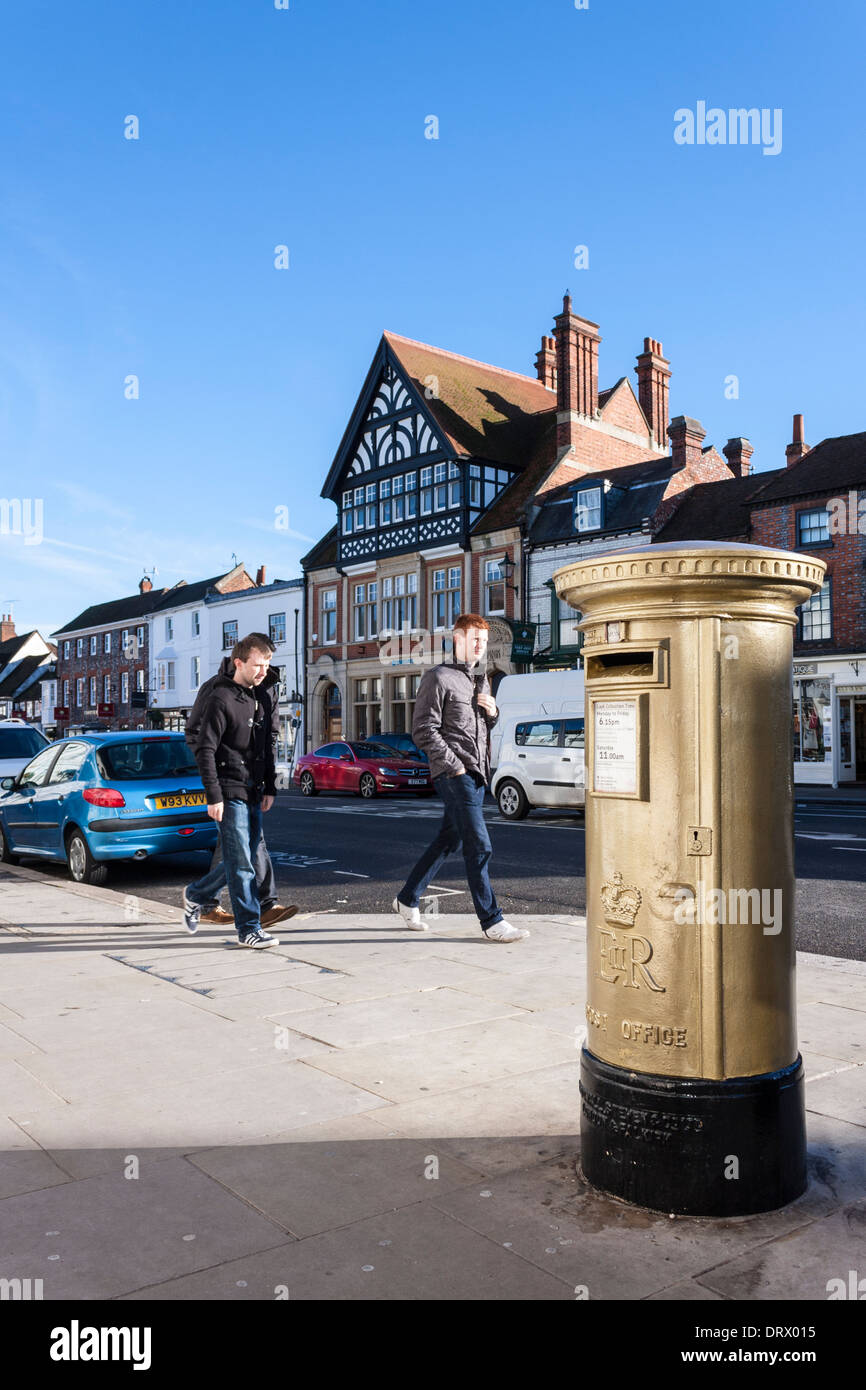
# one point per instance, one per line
(232, 731)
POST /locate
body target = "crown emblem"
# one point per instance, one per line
(620, 904)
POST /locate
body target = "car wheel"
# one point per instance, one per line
(308, 786)
(83, 868)
(367, 785)
(6, 855)
(511, 800)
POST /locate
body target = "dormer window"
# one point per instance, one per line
(587, 509)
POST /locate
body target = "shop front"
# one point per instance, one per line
(829, 722)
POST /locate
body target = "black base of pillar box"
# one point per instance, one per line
(675, 1145)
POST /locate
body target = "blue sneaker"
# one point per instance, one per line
(191, 914)
(258, 940)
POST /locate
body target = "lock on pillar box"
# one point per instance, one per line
(691, 1080)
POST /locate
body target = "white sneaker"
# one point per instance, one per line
(503, 931)
(411, 916)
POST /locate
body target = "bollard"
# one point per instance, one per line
(691, 1080)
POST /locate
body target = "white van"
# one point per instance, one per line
(537, 747)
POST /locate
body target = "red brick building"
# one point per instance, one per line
(102, 662)
(816, 504)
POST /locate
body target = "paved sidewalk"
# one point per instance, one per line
(361, 1113)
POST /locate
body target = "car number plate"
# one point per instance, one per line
(417, 781)
(166, 803)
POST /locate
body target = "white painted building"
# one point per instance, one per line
(278, 611)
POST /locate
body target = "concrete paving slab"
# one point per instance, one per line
(831, 987)
(118, 1062)
(377, 1020)
(378, 982)
(534, 990)
(833, 1030)
(841, 1095)
(447, 1060)
(800, 1264)
(313, 1187)
(21, 1092)
(222, 1107)
(616, 1250)
(418, 1253)
(689, 1291)
(173, 1220)
(494, 1125)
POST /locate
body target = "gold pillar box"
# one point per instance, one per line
(689, 839)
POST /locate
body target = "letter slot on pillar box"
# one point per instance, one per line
(691, 1081)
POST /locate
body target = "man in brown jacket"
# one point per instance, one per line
(454, 713)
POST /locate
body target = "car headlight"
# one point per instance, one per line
(385, 771)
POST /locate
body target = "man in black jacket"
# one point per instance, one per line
(234, 750)
(214, 881)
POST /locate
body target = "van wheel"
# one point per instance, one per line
(511, 800)
(83, 868)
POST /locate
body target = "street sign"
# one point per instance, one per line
(61, 712)
(105, 711)
(139, 699)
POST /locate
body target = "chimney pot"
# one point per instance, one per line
(686, 436)
(738, 452)
(577, 341)
(653, 377)
(798, 446)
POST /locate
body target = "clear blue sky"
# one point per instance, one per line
(305, 126)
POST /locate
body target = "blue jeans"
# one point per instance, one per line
(462, 824)
(240, 836)
(214, 881)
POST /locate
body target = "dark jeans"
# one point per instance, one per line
(462, 824)
(214, 881)
(240, 836)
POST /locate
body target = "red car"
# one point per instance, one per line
(366, 768)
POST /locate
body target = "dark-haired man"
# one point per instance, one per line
(234, 750)
(211, 886)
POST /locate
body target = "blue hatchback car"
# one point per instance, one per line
(95, 798)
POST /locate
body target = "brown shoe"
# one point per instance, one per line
(275, 914)
(217, 916)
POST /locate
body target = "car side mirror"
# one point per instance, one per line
(7, 784)
(346, 758)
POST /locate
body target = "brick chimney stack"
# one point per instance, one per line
(7, 627)
(545, 363)
(577, 343)
(260, 577)
(653, 375)
(739, 452)
(686, 436)
(144, 585)
(798, 447)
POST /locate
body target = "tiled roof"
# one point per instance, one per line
(192, 593)
(716, 511)
(485, 411)
(323, 553)
(507, 509)
(834, 465)
(117, 610)
(20, 676)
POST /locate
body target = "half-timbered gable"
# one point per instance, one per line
(402, 479)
